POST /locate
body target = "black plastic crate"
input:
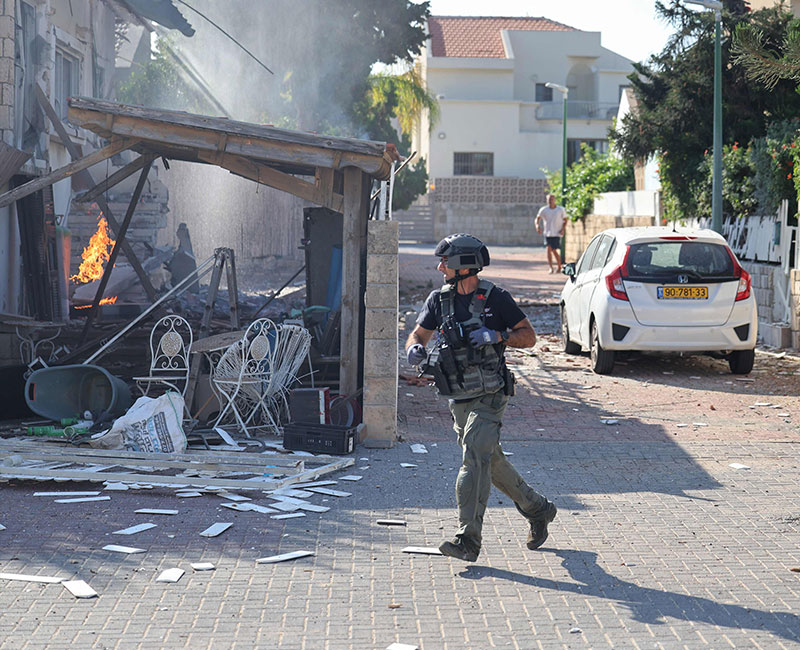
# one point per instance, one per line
(320, 438)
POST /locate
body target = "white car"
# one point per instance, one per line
(659, 289)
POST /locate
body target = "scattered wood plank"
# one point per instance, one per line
(202, 566)
(284, 557)
(216, 529)
(79, 589)
(22, 577)
(422, 550)
(83, 499)
(171, 575)
(155, 511)
(132, 530)
(130, 550)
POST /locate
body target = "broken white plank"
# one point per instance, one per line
(239, 507)
(2, 527)
(171, 575)
(66, 494)
(681, 426)
(391, 522)
(132, 530)
(29, 578)
(233, 497)
(289, 515)
(407, 465)
(303, 486)
(699, 424)
(83, 499)
(283, 557)
(186, 495)
(609, 421)
(401, 646)
(254, 507)
(508, 453)
(310, 507)
(331, 493)
(285, 506)
(202, 566)
(116, 487)
(155, 511)
(351, 477)
(738, 466)
(122, 549)
(422, 550)
(763, 404)
(418, 448)
(79, 589)
(291, 492)
(216, 529)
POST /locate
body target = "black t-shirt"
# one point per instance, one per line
(500, 313)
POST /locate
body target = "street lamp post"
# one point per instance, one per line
(716, 187)
(565, 91)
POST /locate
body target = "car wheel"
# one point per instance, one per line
(602, 360)
(570, 347)
(741, 361)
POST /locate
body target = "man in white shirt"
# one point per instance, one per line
(552, 219)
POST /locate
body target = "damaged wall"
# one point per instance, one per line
(262, 225)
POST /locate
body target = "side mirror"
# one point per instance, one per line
(569, 270)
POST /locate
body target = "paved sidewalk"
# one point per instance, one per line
(659, 542)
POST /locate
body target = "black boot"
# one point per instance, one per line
(459, 550)
(538, 532)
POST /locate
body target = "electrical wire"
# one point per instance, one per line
(250, 54)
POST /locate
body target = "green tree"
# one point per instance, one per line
(402, 98)
(675, 94)
(159, 84)
(592, 174)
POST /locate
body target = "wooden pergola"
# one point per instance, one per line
(342, 170)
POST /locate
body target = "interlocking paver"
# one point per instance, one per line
(659, 543)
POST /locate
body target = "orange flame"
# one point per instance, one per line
(104, 301)
(95, 255)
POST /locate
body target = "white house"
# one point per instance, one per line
(500, 125)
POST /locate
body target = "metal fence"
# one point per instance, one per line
(578, 110)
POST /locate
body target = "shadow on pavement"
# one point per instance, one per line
(650, 606)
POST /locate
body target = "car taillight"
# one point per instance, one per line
(614, 283)
(743, 290)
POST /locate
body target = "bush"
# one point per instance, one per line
(593, 174)
(738, 182)
(773, 161)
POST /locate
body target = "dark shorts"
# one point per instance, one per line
(553, 242)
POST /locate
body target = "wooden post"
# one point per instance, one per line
(354, 247)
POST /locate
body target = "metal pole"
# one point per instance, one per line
(716, 189)
(564, 154)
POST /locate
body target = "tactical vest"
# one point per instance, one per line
(461, 371)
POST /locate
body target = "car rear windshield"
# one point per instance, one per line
(661, 260)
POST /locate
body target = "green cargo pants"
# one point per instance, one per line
(477, 423)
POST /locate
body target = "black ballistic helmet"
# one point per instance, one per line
(463, 251)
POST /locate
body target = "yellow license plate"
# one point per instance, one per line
(683, 293)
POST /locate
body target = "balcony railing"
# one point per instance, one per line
(577, 110)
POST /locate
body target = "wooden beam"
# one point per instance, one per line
(354, 244)
(279, 180)
(111, 149)
(117, 177)
(202, 134)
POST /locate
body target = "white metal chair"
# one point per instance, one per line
(242, 375)
(170, 341)
(293, 345)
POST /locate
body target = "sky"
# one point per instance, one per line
(627, 27)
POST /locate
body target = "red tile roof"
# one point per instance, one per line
(479, 36)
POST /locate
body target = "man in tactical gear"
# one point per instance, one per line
(474, 321)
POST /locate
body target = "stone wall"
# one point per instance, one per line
(497, 210)
(769, 285)
(7, 71)
(578, 234)
(380, 335)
